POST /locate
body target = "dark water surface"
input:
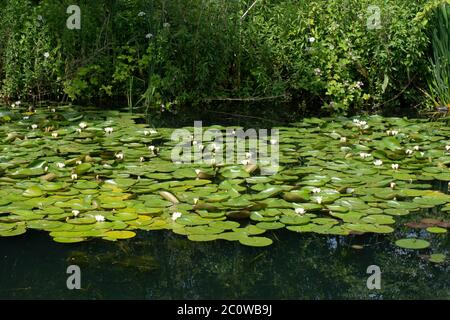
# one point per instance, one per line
(161, 265)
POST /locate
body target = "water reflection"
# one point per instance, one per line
(162, 265)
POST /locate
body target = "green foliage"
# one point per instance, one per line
(326, 51)
(439, 85)
(31, 62)
(317, 56)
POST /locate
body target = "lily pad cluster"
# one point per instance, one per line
(84, 176)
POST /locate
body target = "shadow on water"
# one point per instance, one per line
(161, 265)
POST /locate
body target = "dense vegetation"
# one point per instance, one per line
(191, 56)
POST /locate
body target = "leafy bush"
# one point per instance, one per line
(439, 86)
(30, 61)
(326, 51)
(314, 56)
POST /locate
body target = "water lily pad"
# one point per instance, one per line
(411, 243)
(204, 229)
(122, 216)
(270, 225)
(83, 220)
(83, 168)
(255, 241)
(69, 240)
(120, 234)
(225, 225)
(436, 230)
(202, 237)
(295, 220)
(437, 258)
(33, 192)
(86, 185)
(18, 230)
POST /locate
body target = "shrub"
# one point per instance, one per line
(439, 85)
(317, 56)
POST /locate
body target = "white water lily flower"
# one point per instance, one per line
(151, 148)
(392, 185)
(422, 154)
(245, 162)
(141, 159)
(447, 148)
(109, 130)
(146, 132)
(53, 110)
(82, 125)
(13, 105)
(318, 199)
(75, 213)
(195, 200)
(361, 124)
(343, 139)
(60, 165)
(316, 190)
(34, 126)
(409, 151)
(417, 148)
(300, 211)
(176, 215)
(194, 143)
(99, 218)
(364, 155)
(392, 132)
(197, 171)
(45, 169)
(120, 155)
(395, 166)
(378, 162)
(350, 190)
(55, 134)
(248, 155)
(311, 39)
(74, 176)
(78, 130)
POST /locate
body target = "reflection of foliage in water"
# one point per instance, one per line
(167, 266)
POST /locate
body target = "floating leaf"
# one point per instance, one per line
(255, 241)
(412, 243)
(437, 258)
(436, 230)
(120, 234)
